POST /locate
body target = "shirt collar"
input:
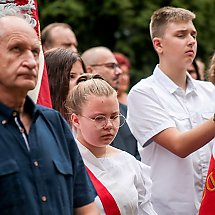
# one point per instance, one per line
(6, 112)
(167, 83)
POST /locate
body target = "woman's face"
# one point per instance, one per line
(88, 131)
(192, 71)
(124, 79)
(75, 72)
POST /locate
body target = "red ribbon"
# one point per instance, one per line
(108, 202)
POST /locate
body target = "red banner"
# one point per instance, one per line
(208, 200)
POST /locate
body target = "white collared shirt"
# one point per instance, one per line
(157, 103)
(126, 178)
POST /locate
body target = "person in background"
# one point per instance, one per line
(41, 169)
(64, 67)
(100, 60)
(172, 116)
(121, 181)
(58, 35)
(201, 67)
(211, 70)
(207, 204)
(124, 78)
(193, 70)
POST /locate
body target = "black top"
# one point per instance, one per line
(125, 140)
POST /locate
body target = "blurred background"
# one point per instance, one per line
(122, 26)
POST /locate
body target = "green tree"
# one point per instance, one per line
(123, 26)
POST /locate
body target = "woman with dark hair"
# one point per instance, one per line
(64, 67)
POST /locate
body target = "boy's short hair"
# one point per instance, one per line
(161, 17)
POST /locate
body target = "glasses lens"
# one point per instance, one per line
(100, 121)
(117, 121)
(112, 65)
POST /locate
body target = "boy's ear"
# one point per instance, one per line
(157, 43)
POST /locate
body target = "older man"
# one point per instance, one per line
(41, 170)
(58, 35)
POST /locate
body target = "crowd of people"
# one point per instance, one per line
(104, 148)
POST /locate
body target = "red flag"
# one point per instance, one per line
(207, 205)
(41, 93)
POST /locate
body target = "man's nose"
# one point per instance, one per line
(73, 48)
(30, 60)
(192, 40)
(118, 71)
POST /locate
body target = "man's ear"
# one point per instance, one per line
(157, 43)
(46, 47)
(75, 120)
(89, 69)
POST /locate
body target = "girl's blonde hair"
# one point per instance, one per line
(87, 84)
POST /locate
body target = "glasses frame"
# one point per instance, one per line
(107, 120)
(112, 66)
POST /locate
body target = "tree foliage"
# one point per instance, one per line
(123, 26)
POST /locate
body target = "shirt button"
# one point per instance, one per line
(36, 163)
(22, 130)
(44, 198)
(3, 122)
(14, 113)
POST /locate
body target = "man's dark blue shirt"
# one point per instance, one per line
(49, 178)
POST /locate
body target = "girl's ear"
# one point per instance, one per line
(75, 120)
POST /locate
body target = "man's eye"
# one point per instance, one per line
(36, 51)
(111, 66)
(194, 36)
(16, 49)
(180, 35)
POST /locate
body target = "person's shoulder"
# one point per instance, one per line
(127, 156)
(131, 161)
(143, 82)
(48, 110)
(145, 85)
(209, 86)
(49, 113)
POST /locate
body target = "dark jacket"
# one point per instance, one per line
(125, 139)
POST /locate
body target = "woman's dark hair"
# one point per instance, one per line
(59, 63)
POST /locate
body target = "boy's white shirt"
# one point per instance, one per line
(157, 103)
